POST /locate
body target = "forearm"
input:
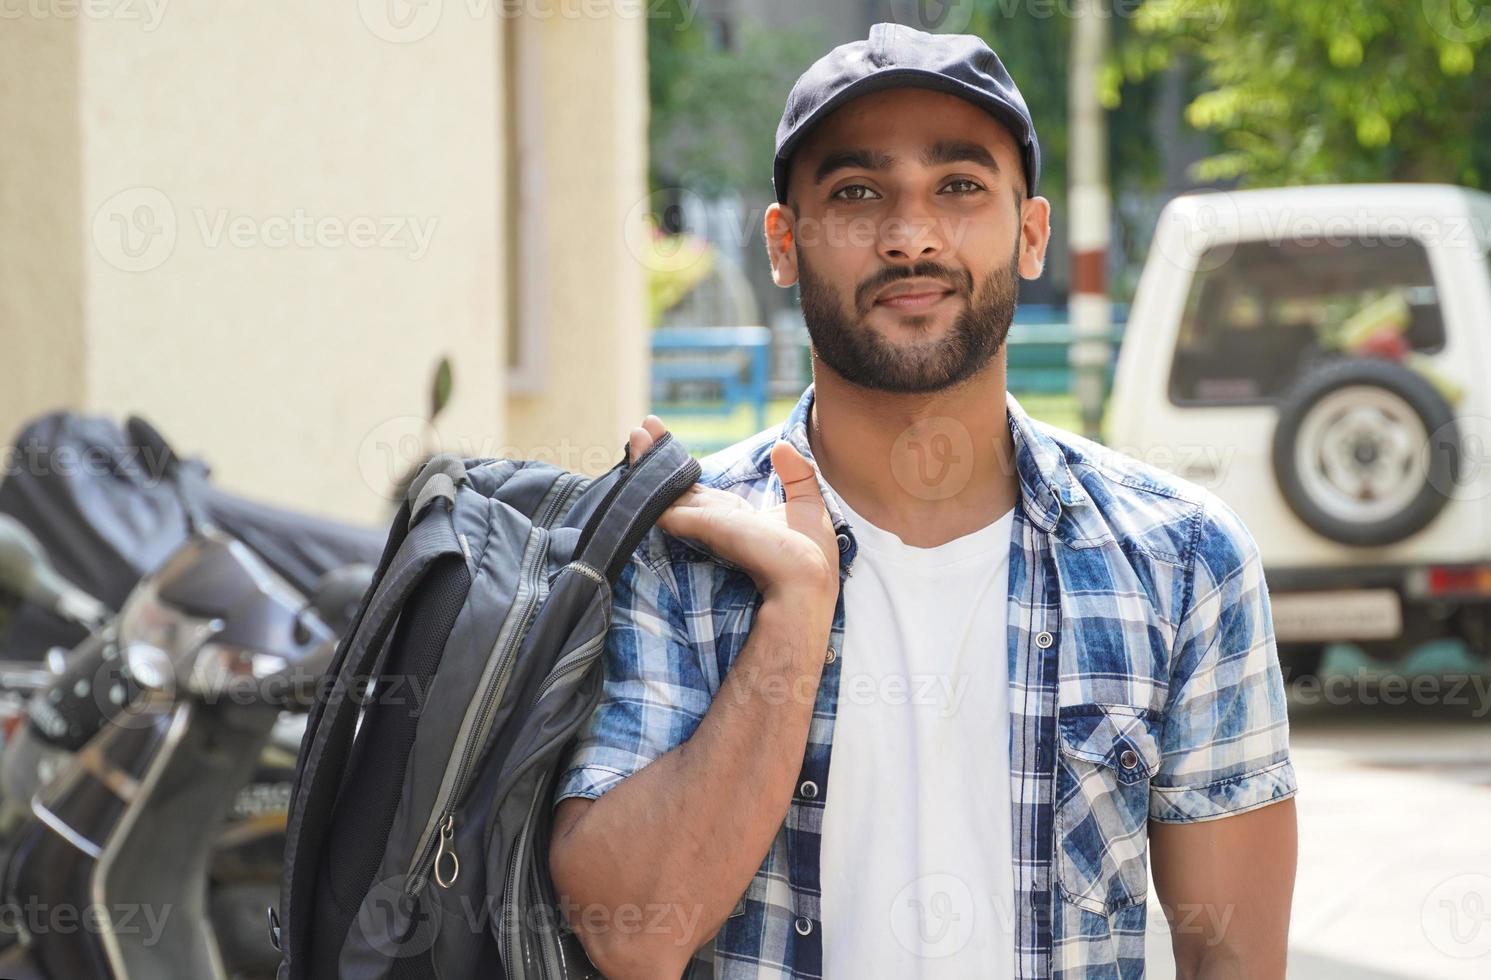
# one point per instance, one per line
(674, 846)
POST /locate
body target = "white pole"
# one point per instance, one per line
(1091, 312)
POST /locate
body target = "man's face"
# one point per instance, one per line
(907, 230)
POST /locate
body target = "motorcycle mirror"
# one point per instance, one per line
(336, 595)
(26, 571)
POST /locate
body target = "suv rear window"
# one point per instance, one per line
(1259, 312)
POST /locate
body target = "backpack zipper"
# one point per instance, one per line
(441, 840)
(511, 922)
(570, 483)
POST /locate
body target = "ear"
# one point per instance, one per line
(780, 230)
(1035, 235)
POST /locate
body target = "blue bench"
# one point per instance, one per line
(1039, 359)
(735, 361)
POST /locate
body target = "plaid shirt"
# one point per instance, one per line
(1144, 685)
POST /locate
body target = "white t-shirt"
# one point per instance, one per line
(916, 863)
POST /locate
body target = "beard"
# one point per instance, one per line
(861, 356)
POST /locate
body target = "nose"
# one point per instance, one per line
(910, 238)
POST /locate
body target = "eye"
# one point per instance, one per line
(848, 193)
(963, 185)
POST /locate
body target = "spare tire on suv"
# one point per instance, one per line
(1366, 450)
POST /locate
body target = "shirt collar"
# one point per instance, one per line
(1047, 484)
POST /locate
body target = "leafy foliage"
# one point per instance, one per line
(715, 108)
(1307, 91)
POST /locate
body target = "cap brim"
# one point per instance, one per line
(1002, 111)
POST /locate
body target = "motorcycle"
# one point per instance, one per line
(209, 651)
(56, 705)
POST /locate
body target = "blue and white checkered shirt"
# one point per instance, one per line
(1144, 685)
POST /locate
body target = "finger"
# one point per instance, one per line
(797, 474)
(699, 495)
(654, 427)
(699, 524)
(638, 443)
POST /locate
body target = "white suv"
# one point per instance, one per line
(1320, 357)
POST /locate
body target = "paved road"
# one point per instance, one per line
(1395, 831)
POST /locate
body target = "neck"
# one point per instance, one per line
(926, 467)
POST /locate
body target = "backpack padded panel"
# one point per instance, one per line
(374, 777)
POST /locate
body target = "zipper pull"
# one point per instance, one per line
(447, 850)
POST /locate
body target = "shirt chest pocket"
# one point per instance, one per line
(1107, 755)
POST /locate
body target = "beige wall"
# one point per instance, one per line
(263, 224)
(41, 239)
(592, 103)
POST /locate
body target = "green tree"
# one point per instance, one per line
(715, 108)
(1310, 91)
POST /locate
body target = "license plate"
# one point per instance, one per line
(1347, 614)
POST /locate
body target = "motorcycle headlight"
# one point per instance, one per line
(224, 669)
(146, 619)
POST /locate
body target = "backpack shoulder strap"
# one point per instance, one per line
(644, 490)
(410, 553)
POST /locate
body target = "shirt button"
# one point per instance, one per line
(1044, 639)
(830, 656)
(1129, 759)
(803, 925)
(808, 790)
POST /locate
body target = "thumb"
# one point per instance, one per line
(796, 473)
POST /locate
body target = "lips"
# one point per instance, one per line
(914, 298)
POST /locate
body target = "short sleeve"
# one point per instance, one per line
(654, 693)
(1225, 737)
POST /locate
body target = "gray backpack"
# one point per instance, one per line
(418, 831)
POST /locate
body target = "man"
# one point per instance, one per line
(1033, 662)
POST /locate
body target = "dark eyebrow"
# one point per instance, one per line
(852, 160)
(959, 151)
(938, 154)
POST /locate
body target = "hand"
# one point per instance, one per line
(787, 548)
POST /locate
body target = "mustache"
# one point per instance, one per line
(958, 280)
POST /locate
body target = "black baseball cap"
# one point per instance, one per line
(897, 56)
